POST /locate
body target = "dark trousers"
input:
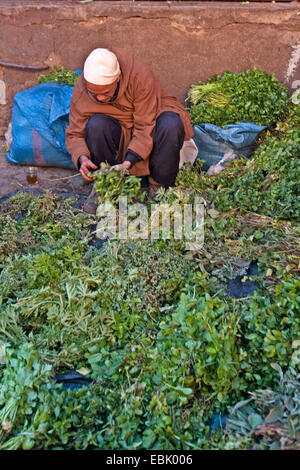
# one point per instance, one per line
(103, 133)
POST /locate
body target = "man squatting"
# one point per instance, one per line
(120, 114)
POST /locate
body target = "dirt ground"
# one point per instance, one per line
(13, 177)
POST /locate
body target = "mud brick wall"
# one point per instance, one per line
(183, 42)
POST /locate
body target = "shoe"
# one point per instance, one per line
(153, 187)
(90, 205)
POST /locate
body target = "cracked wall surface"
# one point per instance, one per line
(182, 42)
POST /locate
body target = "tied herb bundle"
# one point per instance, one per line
(111, 183)
(251, 96)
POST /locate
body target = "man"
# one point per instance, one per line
(120, 114)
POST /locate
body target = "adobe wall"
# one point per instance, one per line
(183, 42)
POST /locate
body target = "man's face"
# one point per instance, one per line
(102, 93)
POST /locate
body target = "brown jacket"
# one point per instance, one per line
(140, 100)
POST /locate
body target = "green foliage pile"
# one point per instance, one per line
(269, 420)
(251, 96)
(60, 75)
(267, 183)
(39, 413)
(151, 324)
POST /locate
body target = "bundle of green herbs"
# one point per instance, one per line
(251, 96)
(111, 183)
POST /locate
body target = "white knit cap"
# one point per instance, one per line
(101, 67)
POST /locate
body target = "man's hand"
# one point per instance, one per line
(123, 166)
(85, 165)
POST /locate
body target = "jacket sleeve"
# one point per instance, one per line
(132, 157)
(146, 105)
(75, 134)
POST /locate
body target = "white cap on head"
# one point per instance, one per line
(101, 67)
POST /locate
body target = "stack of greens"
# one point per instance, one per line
(250, 96)
(267, 183)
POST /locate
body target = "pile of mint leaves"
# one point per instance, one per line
(152, 324)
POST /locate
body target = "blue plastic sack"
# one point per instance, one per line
(40, 116)
(214, 142)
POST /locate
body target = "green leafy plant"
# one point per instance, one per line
(60, 75)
